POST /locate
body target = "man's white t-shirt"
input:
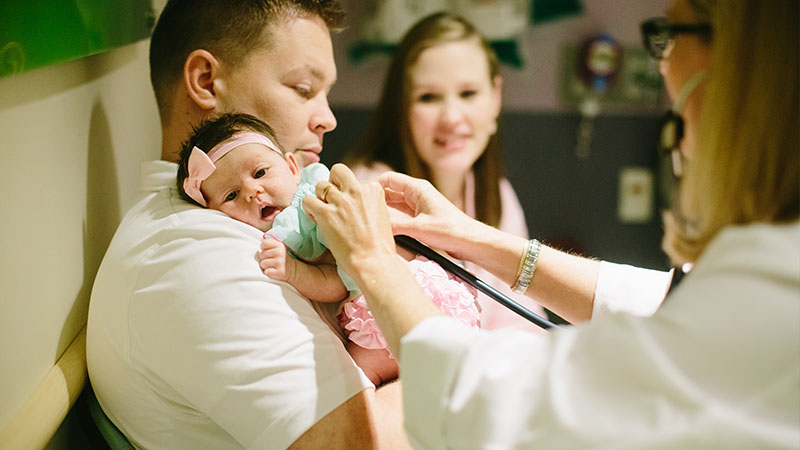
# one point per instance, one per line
(190, 345)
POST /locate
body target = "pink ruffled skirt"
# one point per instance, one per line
(454, 297)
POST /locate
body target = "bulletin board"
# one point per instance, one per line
(501, 22)
(38, 33)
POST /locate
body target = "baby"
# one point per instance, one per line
(246, 175)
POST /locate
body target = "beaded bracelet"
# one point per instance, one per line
(527, 266)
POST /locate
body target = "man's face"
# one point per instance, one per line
(287, 85)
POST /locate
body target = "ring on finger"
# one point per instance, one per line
(324, 194)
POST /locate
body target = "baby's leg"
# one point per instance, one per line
(377, 365)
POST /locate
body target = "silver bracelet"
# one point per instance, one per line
(527, 266)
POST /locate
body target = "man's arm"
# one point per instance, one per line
(368, 420)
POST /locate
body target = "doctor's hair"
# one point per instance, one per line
(745, 168)
(230, 30)
(703, 9)
(213, 131)
(388, 138)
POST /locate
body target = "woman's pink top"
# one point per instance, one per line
(512, 220)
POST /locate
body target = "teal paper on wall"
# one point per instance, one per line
(38, 33)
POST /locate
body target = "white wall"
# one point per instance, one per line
(72, 139)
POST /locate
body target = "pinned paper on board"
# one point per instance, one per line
(502, 22)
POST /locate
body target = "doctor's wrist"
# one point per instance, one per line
(371, 265)
(527, 266)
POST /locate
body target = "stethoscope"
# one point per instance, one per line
(419, 248)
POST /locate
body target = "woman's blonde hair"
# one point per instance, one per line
(745, 167)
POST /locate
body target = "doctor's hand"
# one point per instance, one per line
(424, 213)
(354, 220)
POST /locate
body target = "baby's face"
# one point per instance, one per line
(252, 184)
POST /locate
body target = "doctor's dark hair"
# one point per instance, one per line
(228, 29)
(388, 137)
(213, 131)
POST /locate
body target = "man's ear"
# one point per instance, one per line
(200, 70)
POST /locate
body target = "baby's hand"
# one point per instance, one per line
(275, 260)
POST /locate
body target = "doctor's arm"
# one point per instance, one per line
(576, 288)
(356, 221)
(563, 283)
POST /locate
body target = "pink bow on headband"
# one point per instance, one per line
(201, 164)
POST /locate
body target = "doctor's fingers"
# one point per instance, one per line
(324, 189)
(416, 196)
(343, 178)
(403, 190)
(359, 208)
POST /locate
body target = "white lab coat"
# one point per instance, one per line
(718, 366)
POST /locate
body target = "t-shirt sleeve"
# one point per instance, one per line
(249, 353)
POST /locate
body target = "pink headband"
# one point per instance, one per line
(201, 164)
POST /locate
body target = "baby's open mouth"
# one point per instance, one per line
(268, 213)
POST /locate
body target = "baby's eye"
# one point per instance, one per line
(259, 173)
(232, 196)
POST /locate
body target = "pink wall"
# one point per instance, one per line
(533, 88)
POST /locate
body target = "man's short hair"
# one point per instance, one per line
(229, 29)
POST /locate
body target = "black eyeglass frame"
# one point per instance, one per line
(669, 146)
(658, 27)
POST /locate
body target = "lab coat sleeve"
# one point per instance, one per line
(629, 289)
(690, 376)
(578, 387)
(442, 391)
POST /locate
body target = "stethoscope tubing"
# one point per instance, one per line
(418, 247)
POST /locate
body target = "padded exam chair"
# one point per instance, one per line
(100, 431)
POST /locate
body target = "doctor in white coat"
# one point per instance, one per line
(716, 366)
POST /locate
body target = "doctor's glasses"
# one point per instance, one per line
(658, 35)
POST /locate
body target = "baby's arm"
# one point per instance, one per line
(315, 281)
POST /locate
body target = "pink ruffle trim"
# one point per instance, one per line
(454, 297)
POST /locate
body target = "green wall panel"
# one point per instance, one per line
(38, 33)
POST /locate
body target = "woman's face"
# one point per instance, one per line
(689, 54)
(454, 105)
